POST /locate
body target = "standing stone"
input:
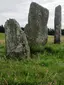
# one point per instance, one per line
(15, 40)
(36, 29)
(57, 24)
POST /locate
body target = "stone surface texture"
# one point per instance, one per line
(15, 40)
(36, 29)
(57, 24)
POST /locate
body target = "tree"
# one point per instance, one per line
(2, 30)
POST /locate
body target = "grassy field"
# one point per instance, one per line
(45, 68)
(2, 36)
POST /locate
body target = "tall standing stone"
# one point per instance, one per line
(57, 24)
(15, 40)
(36, 29)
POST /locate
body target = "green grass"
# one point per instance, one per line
(45, 68)
(2, 36)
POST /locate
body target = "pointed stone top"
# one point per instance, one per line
(37, 5)
(58, 7)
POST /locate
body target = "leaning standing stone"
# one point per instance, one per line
(57, 24)
(36, 29)
(15, 40)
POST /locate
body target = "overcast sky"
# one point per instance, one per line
(19, 10)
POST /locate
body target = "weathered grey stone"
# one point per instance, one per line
(36, 29)
(57, 24)
(16, 41)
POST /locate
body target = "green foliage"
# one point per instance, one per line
(2, 50)
(46, 68)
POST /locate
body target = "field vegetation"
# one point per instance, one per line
(44, 68)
